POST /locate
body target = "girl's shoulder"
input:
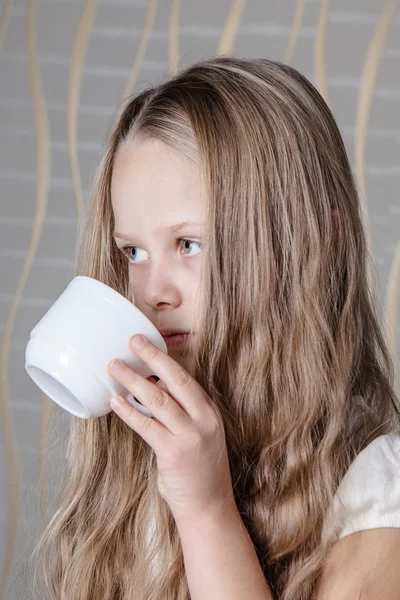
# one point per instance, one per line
(368, 496)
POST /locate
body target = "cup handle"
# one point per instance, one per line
(137, 405)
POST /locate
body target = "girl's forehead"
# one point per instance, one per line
(155, 184)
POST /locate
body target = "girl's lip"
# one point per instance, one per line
(169, 332)
(176, 340)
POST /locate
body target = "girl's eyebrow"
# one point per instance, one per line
(172, 228)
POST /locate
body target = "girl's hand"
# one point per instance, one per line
(186, 433)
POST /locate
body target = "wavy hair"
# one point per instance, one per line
(288, 343)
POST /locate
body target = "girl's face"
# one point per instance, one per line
(153, 189)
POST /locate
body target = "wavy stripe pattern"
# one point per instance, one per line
(141, 51)
(43, 159)
(225, 45)
(319, 53)
(294, 34)
(173, 37)
(364, 102)
(74, 89)
(231, 27)
(4, 20)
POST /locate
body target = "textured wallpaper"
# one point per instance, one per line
(65, 68)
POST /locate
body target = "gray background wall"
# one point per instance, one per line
(65, 66)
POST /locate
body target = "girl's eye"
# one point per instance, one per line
(131, 251)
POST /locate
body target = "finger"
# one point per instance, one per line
(160, 404)
(183, 387)
(160, 384)
(152, 431)
(156, 381)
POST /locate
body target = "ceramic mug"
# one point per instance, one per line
(69, 349)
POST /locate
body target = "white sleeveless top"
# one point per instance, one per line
(368, 496)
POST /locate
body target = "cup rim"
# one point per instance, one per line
(104, 285)
(122, 299)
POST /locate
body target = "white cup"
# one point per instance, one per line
(70, 347)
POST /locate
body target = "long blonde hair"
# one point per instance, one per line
(288, 346)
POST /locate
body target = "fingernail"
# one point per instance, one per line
(116, 364)
(117, 401)
(138, 341)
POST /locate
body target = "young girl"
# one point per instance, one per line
(269, 468)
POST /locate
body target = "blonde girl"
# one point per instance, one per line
(268, 470)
